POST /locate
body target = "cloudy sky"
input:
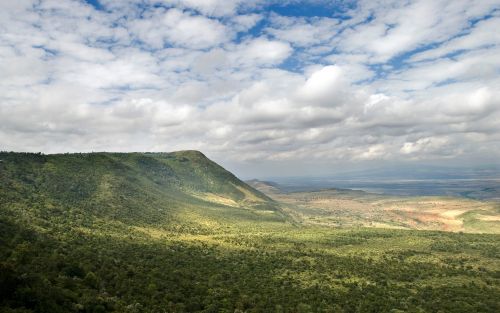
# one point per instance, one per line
(264, 87)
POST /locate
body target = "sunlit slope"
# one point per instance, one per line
(158, 188)
(348, 208)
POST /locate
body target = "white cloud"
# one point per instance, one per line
(211, 7)
(398, 27)
(245, 22)
(303, 32)
(189, 74)
(162, 27)
(437, 146)
(261, 51)
(483, 35)
(482, 65)
(325, 87)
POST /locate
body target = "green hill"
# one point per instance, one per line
(166, 189)
(175, 232)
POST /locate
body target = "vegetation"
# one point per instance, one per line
(347, 208)
(176, 232)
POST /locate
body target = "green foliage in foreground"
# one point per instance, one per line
(103, 234)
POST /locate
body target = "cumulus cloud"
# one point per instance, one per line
(384, 80)
(303, 32)
(325, 87)
(173, 27)
(261, 51)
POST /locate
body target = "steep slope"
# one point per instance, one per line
(159, 188)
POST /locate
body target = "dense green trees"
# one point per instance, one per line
(121, 233)
(87, 273)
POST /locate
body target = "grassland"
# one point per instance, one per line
(177, 233)
(346, 208)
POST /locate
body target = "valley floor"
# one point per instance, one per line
(346, 208)
(109, 266)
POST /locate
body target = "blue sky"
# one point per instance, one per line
(259, 85)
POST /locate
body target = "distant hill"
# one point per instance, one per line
(267, 187)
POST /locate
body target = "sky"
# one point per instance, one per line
(263, 87)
